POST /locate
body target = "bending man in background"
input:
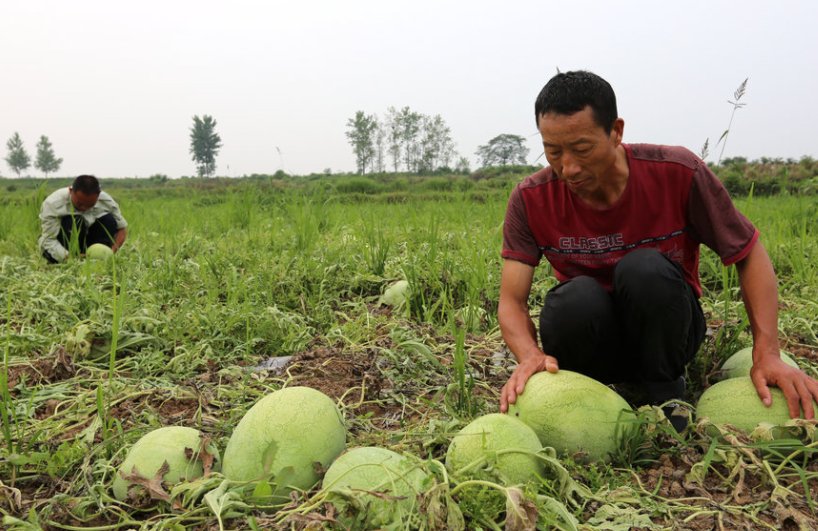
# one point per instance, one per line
(82, 212)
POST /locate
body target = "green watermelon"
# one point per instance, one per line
(395, 295)
(574, 413)
(740, 363)
(374, 487)
(169, 444)
(496, 443)
(286, 437)
(98, 251)
(735, 401)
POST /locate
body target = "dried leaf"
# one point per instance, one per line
(153, 485)
(521, 514)
(203, 455)
(13, 495)
(312, 519)
(740, 489)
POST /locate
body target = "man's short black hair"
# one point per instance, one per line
(570, 92)
(87, 184)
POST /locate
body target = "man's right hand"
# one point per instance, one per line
(525, 369)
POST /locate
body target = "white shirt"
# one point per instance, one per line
(59, 204)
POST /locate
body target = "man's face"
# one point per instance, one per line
(579, 150)
(82, 201)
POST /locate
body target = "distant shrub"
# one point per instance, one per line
(503, 172)
(463, 185)
(735, 184)
(766, 187)
(357, 185)
(437, 184)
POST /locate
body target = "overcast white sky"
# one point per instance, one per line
(115, 85)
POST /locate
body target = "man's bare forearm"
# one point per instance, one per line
(759, 290)
(518, 331)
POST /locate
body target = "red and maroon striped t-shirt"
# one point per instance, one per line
(672, 202)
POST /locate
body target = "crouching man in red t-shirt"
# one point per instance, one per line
(621, 226)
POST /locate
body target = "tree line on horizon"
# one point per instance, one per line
(417, 143)
(204, 147)
(19, 160)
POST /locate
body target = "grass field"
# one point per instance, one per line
(215, 282)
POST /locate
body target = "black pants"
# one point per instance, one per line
(645, 331)
(101, 231)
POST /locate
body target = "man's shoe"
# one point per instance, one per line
(677, 415)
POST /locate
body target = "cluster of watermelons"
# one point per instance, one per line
(291, 436)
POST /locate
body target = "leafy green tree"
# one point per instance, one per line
(409, 122)
(436, 147)
(17, 158)
(46, 161)
(361, 132)
(462, 165)
(503, 150)
(381, 134)
(204, 144)
(393, 137)
(413, 141)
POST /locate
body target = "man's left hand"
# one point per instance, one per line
(799, 389)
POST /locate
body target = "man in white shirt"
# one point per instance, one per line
(82, 212)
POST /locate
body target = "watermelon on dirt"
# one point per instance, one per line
(740, 363)
(735, 401)
(286, 437)
(574, 413)
(98, 251)
(395, 295)
(374, 487)
(178, 446)
(496, 443)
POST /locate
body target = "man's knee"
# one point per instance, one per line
(575, 302)
(578, 327)
(103, 230)
(647, 274)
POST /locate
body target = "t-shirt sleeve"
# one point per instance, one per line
(518, 241)
(714, 219)
(50, 224)
(111, 206)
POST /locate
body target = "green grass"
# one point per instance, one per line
(216, 278)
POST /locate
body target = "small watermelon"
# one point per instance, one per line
(98, 251)
(735, 401)
(496, 443)
(740, 363)
(177, 446)
(375, 488)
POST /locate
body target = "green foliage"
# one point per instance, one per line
(417, 142)
(204, 145)
(503, 150)
(357, 185)
(47, 161)
(361, 136)
(224, 275)
(17, 158)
